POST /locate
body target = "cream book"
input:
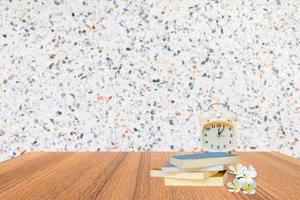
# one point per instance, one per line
(181, 175)
(169, 168)
(203, 160)
(218, 179)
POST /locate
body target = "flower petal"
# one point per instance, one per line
(242, 181)
(229, 184)
(249, 180)
(252, 191)
(252, 174)
(239, 175)
(231, 167)
(237, 190)
(232, 170)
(235, 181)
(239, 166)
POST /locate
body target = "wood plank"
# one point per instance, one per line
(11, 175)
(52, 180)
(103, 178)
(155, 191)
(93, 178)
(97, 175)
(141, 187)
(122, 182)
(17, 161)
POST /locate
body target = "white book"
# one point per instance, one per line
(181, 175)
(169, 168)
(218, 179)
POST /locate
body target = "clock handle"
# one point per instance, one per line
(223, 104)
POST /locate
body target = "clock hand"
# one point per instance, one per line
(220, 132)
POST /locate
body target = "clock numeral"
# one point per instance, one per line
(229, 141)
(205, 135)
(206, 141)
(224, 145)
(218, 147)
(231, 135)
(211, 145)
(230, 129)
(208, 129)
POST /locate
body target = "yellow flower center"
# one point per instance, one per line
(236, 187)
(247, 188)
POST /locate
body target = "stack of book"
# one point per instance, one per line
(206, 169)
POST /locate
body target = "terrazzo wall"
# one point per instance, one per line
(134, 75)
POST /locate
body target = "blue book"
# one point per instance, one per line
(203, 160)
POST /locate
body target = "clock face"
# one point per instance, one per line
(218, 136)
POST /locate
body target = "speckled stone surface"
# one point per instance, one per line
(134, 75)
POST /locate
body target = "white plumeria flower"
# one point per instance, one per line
(244, 179)
(237, 170)
(249, 188)
(234, 186)
(247, 176)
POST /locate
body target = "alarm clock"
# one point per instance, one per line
(218, 133)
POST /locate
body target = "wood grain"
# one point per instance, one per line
(83, 175)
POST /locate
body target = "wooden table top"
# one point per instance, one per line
(84, 175)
